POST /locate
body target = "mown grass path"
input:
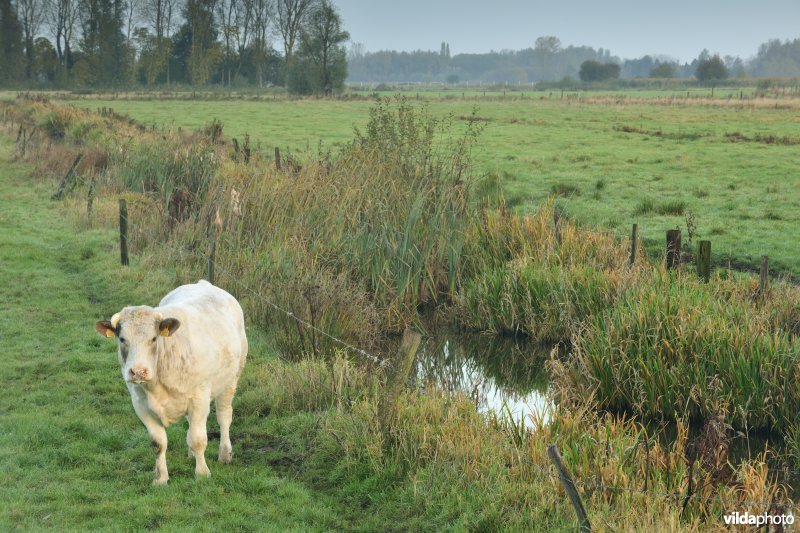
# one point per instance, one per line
(73, 455)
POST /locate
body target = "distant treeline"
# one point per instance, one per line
(548, 60)
(90, 44)
(101, 44)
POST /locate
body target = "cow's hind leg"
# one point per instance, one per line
(197, 437)
(224, 416)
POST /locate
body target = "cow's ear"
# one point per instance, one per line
(105, 329)
(168, 326)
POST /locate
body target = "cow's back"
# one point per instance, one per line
(210, 345)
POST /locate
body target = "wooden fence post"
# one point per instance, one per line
(211, 252)
(558, 213)
(763, 276)
(277, 158)
(62, 186)
(673, 248)
(90, 199)
(704, 260)
(123, 232)
(569, 487)
(634, 239)
(394, 384)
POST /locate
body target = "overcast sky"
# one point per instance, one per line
(630, 29)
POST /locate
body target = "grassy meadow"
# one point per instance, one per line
(362, 243)
(724, 167)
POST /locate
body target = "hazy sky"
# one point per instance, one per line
(680, 29)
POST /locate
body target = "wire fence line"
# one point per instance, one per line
(596, 483)
(381, 362)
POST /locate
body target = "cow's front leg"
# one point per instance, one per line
(158, 438)
(196, 437)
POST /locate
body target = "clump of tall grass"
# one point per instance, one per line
(161, 168)
(672, 348)
(524, 275)
(544, 302)
(387, 217)
(668, 207)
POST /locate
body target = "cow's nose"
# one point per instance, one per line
(138, 373)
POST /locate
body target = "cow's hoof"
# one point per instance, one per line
(158, 482)
(202, 473)
(225, 456)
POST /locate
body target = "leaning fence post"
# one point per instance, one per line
(123, 232)
(62, 186)
(704, 260)
(763, 276)
(401, 368)
(634, 238)
(673, 248)
(277, 158)
(569, 487)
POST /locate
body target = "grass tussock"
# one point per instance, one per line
(648, 206)
(672, 348)
(535, 279)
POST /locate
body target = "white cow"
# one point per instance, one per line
(176, 358)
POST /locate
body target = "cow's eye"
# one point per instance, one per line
(122, 340)
(153, 339)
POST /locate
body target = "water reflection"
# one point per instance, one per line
(499, 374)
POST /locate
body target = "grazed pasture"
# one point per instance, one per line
(726, 165)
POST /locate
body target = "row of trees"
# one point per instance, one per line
(107, 43)
(707, 69)
(548, 60)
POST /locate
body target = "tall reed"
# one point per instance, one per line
(673, 348)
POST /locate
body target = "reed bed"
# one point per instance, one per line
(676, 349)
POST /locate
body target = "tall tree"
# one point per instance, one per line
(103, 41)
(159, 14)
(11, 47)
(261, 13)
(203, 54)
(711, 68)
(291, 14)
(30, 14)
(62, 17)
(227, 11)
(322, 58)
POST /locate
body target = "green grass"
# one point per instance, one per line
(73, 454)
(636, 143)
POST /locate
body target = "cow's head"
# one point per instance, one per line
(137, 330)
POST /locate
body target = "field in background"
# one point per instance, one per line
(725, 166)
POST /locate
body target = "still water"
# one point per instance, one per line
(501, 375)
